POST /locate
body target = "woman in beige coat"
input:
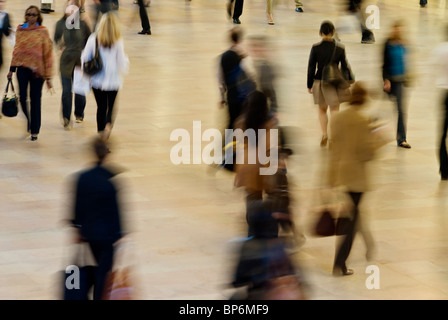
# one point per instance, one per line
(352, 146)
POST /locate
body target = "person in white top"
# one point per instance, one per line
(440, 61)
(108, 81)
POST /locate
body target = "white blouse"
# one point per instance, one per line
(115, 64)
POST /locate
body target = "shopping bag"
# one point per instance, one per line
(78, 288)
(79, 277)
(81, 82)
(119, 282)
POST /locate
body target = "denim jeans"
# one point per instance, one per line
(25, 77)
(396, 90)
(67, 100)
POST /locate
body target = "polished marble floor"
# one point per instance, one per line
(183, 219)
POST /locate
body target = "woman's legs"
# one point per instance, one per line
(66, 98)
(36, 85)
(345, 247)
(25, 76)
(103, 252)
(101, 103)
(323, 119)
(105, 101)
(269, 10)
(23, 79)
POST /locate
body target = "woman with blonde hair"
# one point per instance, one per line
(106, 83)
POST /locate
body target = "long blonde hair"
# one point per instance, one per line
(108, 31)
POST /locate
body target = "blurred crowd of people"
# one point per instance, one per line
(246, 77)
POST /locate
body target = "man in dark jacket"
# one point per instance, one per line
(97, 214)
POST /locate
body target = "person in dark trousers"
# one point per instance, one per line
(237, 6)
(440, 64)
(146, 27)
(262, 260)
(355, 7)
(395, 76)
(230, 72)
(101, 7)
(32, 60)
(107, 83)
(353, 146)
(71, 42)
(97, 215)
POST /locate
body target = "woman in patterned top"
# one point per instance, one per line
(32, 60)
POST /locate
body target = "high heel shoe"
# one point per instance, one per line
(270, 19)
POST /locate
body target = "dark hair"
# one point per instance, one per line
(236, 33)
(326, 28)
(100, 149)
(40, 19)
(256, 111)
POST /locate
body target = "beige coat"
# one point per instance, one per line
(352, 146)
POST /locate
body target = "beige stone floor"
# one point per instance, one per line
(183, 218)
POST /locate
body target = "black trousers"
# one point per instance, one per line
(345, 246)
(26, 77)
(238, 8)
(144, 16)
(103, 252)
(443, 155)
(105, 101)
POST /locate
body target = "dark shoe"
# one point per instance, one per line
(368, 41)
(33, 137)
(144, 32)
(299, 9)
(236, 21)
(444, 178)
(66, 124)
(405, 145)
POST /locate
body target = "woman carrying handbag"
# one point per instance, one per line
(327, 95)
(353, 146)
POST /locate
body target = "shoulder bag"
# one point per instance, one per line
(94, 65)
(331, 74)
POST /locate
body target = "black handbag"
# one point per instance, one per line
(94, 65)
(325, 226)
(331, 74)
(9, 104)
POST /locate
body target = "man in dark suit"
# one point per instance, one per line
(97, 216)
